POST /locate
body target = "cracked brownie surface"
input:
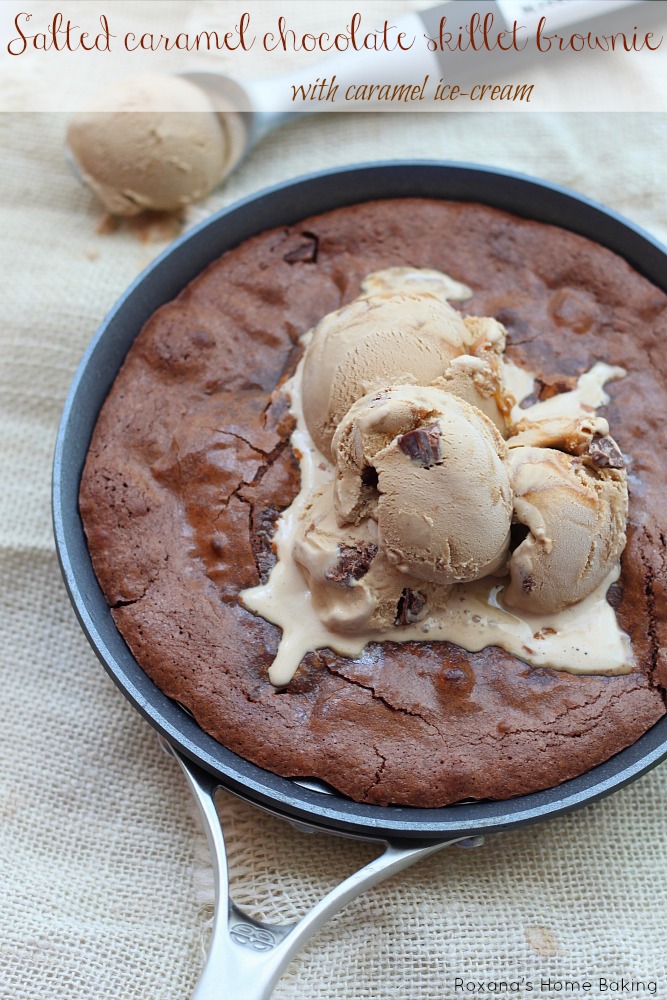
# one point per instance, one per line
(190, 465)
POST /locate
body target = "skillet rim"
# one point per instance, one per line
(284, 204)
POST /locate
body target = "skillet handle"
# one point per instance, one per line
(246, 956)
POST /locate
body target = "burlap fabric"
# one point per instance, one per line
(102, 866)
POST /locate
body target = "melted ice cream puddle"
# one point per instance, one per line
(587, 396)
(584, 638)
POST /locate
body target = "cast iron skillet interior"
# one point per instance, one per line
(283, 205)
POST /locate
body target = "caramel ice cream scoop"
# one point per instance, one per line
(428, 467)
(575, 509)
(135, 155)
(377, 340)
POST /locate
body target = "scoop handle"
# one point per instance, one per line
(246, 957)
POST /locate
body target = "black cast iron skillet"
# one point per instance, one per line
(254, 951)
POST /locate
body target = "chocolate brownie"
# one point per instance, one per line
(190, 465)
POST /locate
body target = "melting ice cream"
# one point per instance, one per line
(431, 505)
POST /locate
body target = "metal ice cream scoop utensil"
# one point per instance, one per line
(160, 164)
(249, 110)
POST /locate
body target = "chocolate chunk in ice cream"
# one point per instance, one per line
(422, 445)
(353, 563)
(605, 453)
(411, 607)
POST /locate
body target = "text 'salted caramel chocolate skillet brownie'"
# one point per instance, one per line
(454, 625)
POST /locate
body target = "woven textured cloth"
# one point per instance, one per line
(105, 883)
